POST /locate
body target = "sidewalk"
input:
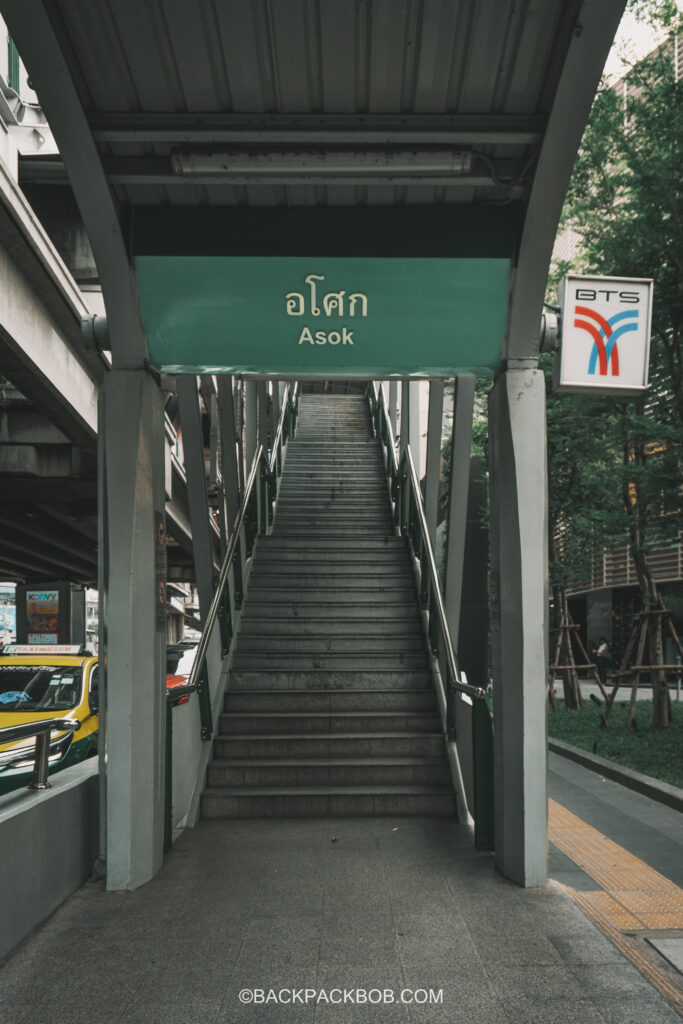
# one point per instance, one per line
(392, 905)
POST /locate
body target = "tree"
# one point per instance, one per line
(625, 201)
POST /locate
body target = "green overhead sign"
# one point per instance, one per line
(323, 317)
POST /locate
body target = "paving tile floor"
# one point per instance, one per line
(395, 904)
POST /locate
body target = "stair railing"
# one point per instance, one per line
(411, 522)
(254, 517)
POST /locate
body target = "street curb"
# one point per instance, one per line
(662, 792)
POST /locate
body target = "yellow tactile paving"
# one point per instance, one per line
(657, 977)
(638, 888)
(634, 897)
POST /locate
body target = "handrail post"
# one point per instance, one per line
(41, 761)
(168, 795)
(204, 695)
(450, 707)
(482, 760)
(225, 622)
(237, 572)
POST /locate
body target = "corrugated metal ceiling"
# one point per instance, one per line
(401, 60)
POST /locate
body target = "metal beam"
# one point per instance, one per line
(31, 28)
(364, 129)
(579, 80)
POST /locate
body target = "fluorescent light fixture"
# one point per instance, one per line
(338, 163)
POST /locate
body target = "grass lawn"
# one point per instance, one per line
(658, 753)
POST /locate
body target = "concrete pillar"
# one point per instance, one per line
(433, 457)
(463, 410)
(251, 418)
(132, 625)
(519, 621)
(393, 404)
(197, 497)
(474, 610)
(414, 422)
(263, 414)
(404, 422)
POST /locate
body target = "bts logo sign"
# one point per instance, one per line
(605, 345)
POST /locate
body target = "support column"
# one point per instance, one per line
(461, 446)
(263, 414)
(414, 422)
(519, 622)
(229, 465)
(433, 457)
(251, 419)
(404, 424)
(463, 410)
(132, 625)
(393, 404)
(197, 497)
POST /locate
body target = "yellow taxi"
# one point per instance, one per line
(39, 682)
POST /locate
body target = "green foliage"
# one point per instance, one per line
(614, 465)
(653, 752)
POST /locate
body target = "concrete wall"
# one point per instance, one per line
(48, 846)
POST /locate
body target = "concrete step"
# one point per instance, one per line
(323, 531)
(274, 644)
(251, 625)
(397, 771)
(390, 543)
(276, 592)
(329, 575)
(269, 701)
(309, 745)
(329, 614)
(386, 661)
(301, 723)
(283, 678)
(303, 555)
(328, 802)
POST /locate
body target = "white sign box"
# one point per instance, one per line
(605, 340)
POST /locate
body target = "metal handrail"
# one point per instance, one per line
(263, 467)
(202, 647)
(42, 732)
(377, 390)
(455, 679)
(407, 495)
(281, 424)
(475, 692)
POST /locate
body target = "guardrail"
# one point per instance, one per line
(42, 732)
(254, 517)
(411, 522)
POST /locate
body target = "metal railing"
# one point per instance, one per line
(254, 517)
(411, 522)
(42, 732)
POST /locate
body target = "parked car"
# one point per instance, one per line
(42, 682)
(59, 681)
(179, 661)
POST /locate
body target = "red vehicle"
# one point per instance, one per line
(179, 662)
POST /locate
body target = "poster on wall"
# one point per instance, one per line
(42, 616)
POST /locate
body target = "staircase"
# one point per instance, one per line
(330, 709)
